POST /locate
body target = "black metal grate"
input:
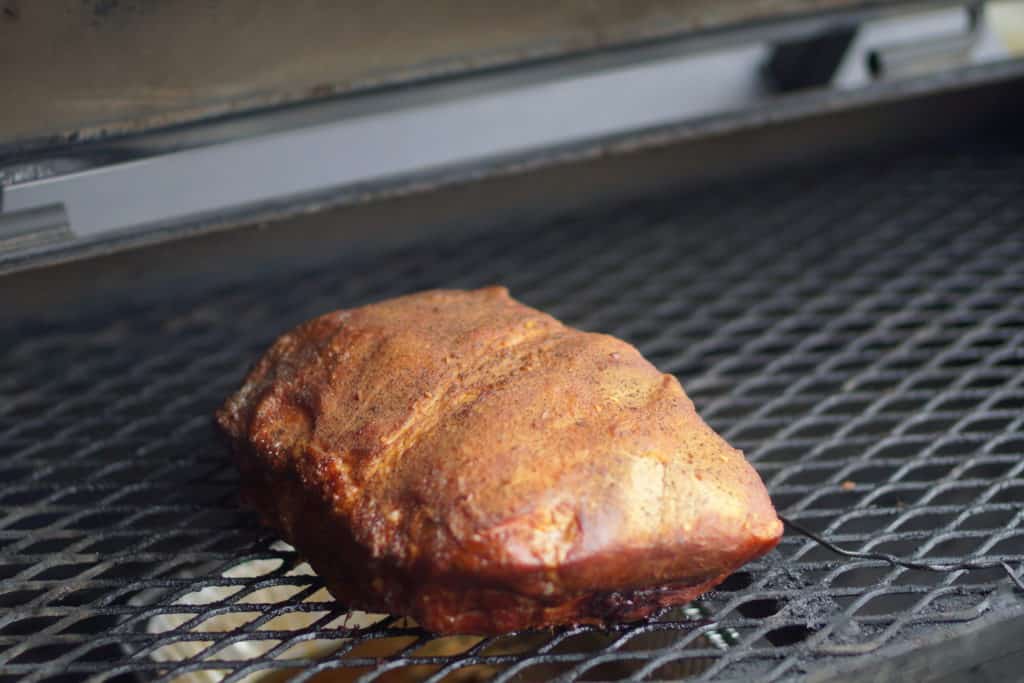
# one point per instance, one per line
(858, 330)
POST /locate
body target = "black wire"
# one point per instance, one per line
(943, 567)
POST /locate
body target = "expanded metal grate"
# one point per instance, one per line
(858, 330)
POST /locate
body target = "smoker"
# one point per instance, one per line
(810, 211)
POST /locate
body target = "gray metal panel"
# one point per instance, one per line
(410, 132)
(415, 138)
(91, 68)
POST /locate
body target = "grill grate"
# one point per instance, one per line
(857, 330)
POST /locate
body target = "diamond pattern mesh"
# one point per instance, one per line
(857, 330)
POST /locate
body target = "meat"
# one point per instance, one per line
(463, 459)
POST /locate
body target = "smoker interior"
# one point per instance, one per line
(855, 326)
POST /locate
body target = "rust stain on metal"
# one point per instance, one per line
(11, 10)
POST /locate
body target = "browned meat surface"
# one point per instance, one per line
(471, 462)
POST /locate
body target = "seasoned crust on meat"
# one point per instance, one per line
(461, 458)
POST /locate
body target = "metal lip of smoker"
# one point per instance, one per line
(325, 153)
